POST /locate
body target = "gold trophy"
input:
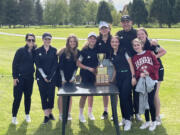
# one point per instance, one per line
(102, 76)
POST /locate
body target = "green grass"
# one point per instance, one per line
(169, 92)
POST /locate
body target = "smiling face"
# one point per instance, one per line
(72, 43)
(142, 35)
(30, 41)
(137, 45)
(104, 30)
(92, 41)
(127, 25)
(47, 41)
(115, 43)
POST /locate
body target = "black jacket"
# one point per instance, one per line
(23, 63)
(48, 62)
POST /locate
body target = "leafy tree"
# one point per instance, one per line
(116, 17)
(2, 13)
(91, 12)
(38, 12)
(77, 11)
(177, 11)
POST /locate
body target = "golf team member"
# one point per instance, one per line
(23, 70)
(46, 66)
(126, 36)
(125, 79)
(88, 63)
(103, 46)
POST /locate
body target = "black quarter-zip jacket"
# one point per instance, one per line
(47, 61)
(23, 63)
(126, 39)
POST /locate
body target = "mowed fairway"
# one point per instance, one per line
(169, 92)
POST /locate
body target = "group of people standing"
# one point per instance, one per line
(130, 57)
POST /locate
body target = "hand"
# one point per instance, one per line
(15, 82)
(92, 70)
(46, 80)
(142, 75)
(63, 82)
(146, 72)
(154, 42)
(133, 81)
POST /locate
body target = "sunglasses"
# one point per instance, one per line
(31, 40)
(47, 39)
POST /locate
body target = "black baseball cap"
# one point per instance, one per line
(126, 18)
(46, 35)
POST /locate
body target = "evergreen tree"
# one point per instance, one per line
(162, 11)
(2, 13)
(177, 11)
(138, 12)
(104, 13)
(11, 12)
(38, 13)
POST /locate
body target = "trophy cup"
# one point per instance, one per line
(101, 77)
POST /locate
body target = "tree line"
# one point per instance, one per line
(86, 12)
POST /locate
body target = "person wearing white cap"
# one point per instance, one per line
(88, 63)
(103, 46)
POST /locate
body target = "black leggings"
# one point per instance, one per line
(47, 92)
(124, 84)
(152, 109)
(24, 86)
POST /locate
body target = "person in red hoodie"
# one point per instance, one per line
(146, 64)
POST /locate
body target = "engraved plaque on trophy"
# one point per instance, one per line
(102, 76)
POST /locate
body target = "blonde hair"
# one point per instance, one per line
(68, 50)
(138, 41)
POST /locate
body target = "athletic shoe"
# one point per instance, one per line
(127, 126)
(145, 125)
(51, 117)
(158, 121)
(82, 119)
(28, 118)
(104, 115)
(69, 116)
(112, 118)
(14, 121)
(152, 127)
(46, 119)
(122, 123)
(91, 116)
(138, 117)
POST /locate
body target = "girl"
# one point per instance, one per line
(103, 46)
(146, 64)
(125, 79)
(23, 70)
(46, 66)
(67, 66)
(159, 52)
(88, 62)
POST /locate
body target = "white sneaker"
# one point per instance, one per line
(138, 117)
(158, 120)
(28, 118)
(69, 117)
(14, 121)
(81, 118)
(122, 122)
(145, 125)
(60, 117)
(91, 116)
(152, 127)
(112, 118)
(127, 126)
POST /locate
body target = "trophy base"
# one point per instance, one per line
(102, 80)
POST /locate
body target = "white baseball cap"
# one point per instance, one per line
(103, 24)
(92, 34)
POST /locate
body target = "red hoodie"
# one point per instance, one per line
(146, 61)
